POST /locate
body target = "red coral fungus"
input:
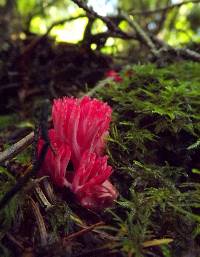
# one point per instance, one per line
(55, 163)
(90, 183)
(113, 74)
(82, 124)
(80, 127)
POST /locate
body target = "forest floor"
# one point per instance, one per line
(153, 148)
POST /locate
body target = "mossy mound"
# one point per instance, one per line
(154, 148)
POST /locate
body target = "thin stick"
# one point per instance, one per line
(109, 23)
(23, 180)
(16, 148)
(183, 52)
(142, 35)
(100, 85)
(15, 241)
(83, 231)
(42, 198)
(40, 222)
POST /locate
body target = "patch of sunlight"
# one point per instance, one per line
(93, 46)
(72, 9)
(107, 50)
(98, 26)
(182, 34)
(2, 2)
(71, 32)
(113, 46)
(185, 9)
(123, 25)
(25, 7)
(22, 36)
(103, 7)
(179, 37)
(53, 10)
(110, 41)
(120, 44)
(117, 43)
(38, 25)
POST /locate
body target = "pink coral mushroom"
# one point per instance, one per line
(55, 164)
(91, 185)
(80, 128)
(114, 75)
(82, 124)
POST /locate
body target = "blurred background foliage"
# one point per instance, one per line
(176, 23)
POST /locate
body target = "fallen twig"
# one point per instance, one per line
(182, 52)
(112, 27)
(188, 54)
(49, 191)
(40, 222)
(23, 180)
(100, 85)
(83, 231)
(142, 35)
(42, 198)
(109, 23)
(16, 148)
(15, 241)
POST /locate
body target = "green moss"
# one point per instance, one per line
(59, 218)
(7, 120)
(24, 157)
(11, 213)
(154, 147)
